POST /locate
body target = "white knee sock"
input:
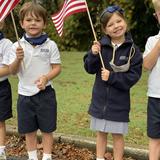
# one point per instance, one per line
(33, 155)
(46, 156)
(2, 150)
(99, 158)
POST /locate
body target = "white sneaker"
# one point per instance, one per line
(3, 156)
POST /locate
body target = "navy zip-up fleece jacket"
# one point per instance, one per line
(111, 99)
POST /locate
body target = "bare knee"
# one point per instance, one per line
(117, 137)
(2, 124)
(155, 143)
(101, 134)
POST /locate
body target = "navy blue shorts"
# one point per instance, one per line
(153, 117)
(5, 100)
(37, 112)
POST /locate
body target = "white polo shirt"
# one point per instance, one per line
(154, 75)
(37, 62)
(5, 49)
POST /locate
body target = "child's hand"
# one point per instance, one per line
(41, 82)
(105, 74)
(19, 53)
(96, 47)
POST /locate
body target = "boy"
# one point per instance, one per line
(5, 90)
(152, 63)
(37, 62)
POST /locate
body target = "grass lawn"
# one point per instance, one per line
(73, 87)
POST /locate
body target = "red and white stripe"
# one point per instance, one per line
(6, 7)
(69, 7)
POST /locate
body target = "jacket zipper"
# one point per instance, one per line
(107, 101)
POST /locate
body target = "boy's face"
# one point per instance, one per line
(33, 25)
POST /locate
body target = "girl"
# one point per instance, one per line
(110, 104)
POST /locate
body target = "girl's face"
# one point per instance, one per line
(33, 25)
(116, 28)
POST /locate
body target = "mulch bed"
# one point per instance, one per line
(15, 147)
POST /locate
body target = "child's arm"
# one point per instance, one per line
(14, 67)
(43, 80)
(151, 59)
(4, 71)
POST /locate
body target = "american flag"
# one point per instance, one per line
(69, 7)
(6, 7)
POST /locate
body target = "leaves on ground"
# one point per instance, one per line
(15, 146)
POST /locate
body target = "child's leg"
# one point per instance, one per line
(101, 142)
(31, 144)
(118, 146)
(154, 149)
(2, 139)
(2, 133)
(47, 141)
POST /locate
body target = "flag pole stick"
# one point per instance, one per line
(15, 29)
(17, 37)
(94, 34)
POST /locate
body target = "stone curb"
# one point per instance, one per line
(83, 142)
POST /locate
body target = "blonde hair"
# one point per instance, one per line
(33, 9)
(156, 4)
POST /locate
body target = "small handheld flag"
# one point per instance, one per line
(6, 7)
(69, 7)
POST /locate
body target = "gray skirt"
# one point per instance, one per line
(108, 126)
